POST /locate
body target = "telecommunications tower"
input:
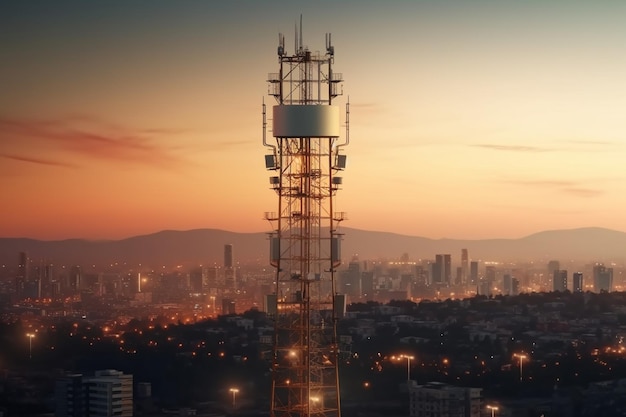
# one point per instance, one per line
(306, 162)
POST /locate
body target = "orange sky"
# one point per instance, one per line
(468, 119)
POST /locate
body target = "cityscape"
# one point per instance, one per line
(528, 338)
(200, 222)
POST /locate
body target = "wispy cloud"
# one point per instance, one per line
(568, 145)
(511, 148)
(591, 142)
(575, 188)
(583, 192)
(87, 137)
(39, 161)
(543, 183)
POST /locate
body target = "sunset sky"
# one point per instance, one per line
(469, 119)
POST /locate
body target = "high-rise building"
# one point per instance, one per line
(367, 284)
(490, 278)
(197, 279)
(228, 306)
(507, 284)
(230, 273)
(439, 399)
(447, 269)
(577, 282)
(553, 266)
(514, 286)
(109, 393)
(559, 280)
(74, 280)
(351, 280)
(473, 272)
(70, 396)
(106, 393)
(442, 269)
(22, 275)
(46, 280)
(602, 278)
(437, 270)
(464, 266)
(229, 260)
(212, 276)
(458, 280)
(483, 287)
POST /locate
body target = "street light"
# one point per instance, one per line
(234, 391)
(521, 357)
(408, 364)
(30, 344)
(493, 409)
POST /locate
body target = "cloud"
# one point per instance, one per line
(591, 142)
(565, 186)
(87, 137)
(583, 192)
(37, 160)
(544, 183)
(512, 148)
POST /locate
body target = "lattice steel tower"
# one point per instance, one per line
(306, 161)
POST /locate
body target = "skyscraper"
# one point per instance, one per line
(559, 280)
(507, 284)
(367, 284)
(229, 256)
(197, 279)
(351, 280)
(553, 266)
(447, 269)
(473, 272)
(490, 278)
(577, 282)
(437, 270)
(22, 275)
(230, 279)
(74, 280)
(46, 280)
(602, 278)
(514, 286)
(464, 266)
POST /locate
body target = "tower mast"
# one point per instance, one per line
(305, 160)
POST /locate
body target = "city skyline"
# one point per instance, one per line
(468, 121)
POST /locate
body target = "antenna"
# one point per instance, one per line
(329, 47)
(301, 42)
(281, 44)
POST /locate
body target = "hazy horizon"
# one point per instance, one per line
(469, 120)
(343, 228)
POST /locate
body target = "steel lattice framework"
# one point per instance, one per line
(304, 243)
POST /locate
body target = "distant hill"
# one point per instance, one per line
(206, 246)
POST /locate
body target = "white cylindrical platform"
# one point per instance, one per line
(297, 121)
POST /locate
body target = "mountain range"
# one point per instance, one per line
(206, 246)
